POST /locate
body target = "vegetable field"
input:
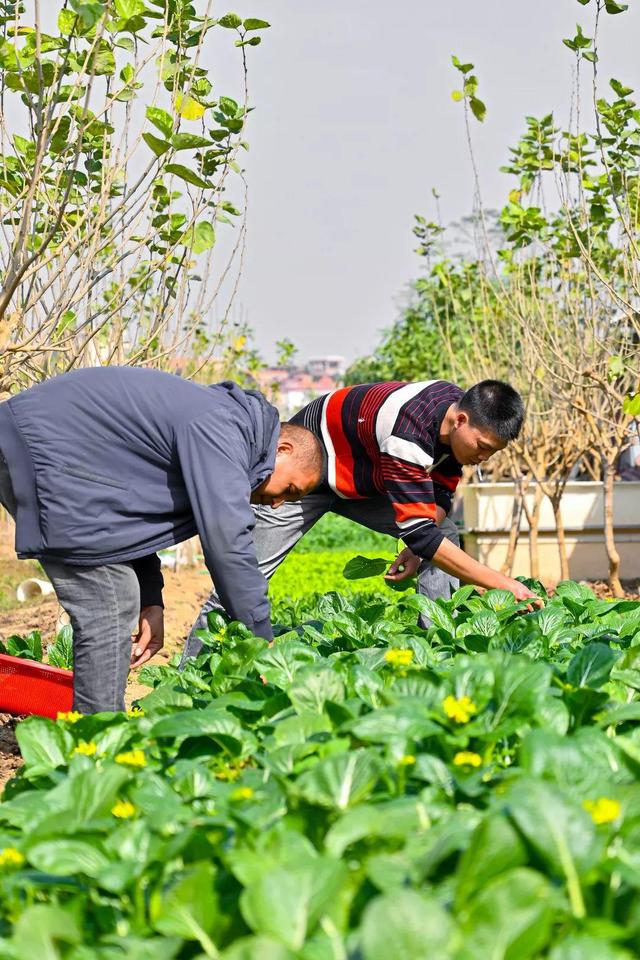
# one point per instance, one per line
(363, 790)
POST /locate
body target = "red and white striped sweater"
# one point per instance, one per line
(383, 438)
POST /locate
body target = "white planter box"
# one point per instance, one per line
(487, 522)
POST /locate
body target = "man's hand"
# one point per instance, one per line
(409, 562)
(521, 592)
(150, 636)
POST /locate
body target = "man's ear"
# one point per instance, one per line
(461, 419)
(284, 448)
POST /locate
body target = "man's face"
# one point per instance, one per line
(473, 445)
(289, 481)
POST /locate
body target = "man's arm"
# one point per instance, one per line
(148, 571)
(418, 514)
(215, 466)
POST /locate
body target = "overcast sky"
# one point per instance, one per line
(353, 127)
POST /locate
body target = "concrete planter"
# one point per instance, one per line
(487, 523)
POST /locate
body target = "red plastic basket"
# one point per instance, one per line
(27, 687)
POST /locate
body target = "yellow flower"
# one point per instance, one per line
(242, 793)
(86, 749)
(461, 710)
(71, 716)
(132, 758)
(399, 658)
(135, 712)
(467, 759)
(408, 760)
(123, 810)
(603, 810)
(10, 857)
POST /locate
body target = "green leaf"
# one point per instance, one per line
(478, 108)
(67, 21)
(405, 925)
(157, 145)
(464, 68)
(511, 918)
(612, 7)
(259, 948)
(184, 173)
(286, 903)
(43, 744)
(631, 405)
(67, 857)
(591, 666)
(495, 847)
(189, 908)
(189, 141)
(231, 21)
(340, 781)
(228, 106)
(560, 832)
(160, 119)
(584, 947)
(358, 568)
(126, 9)
(434, 612)
(200, 237)
(252, 24)
(41, 930)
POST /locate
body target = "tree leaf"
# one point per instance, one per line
(478, 108)
(231, 21)
(178, 170)
(189, 108)
(251, 23)
(157, 145)
(189, 141)
(126, 9)
(160, 119)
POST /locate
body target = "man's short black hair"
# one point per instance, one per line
(494, 405)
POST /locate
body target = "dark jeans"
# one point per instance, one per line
(103, 604)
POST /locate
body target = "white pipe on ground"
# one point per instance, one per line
(32, 588)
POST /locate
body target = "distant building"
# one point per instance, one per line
(291, 389)
(331, 366)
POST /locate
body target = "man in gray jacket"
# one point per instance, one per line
(103, 467)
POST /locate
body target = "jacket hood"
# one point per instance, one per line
(266, 430)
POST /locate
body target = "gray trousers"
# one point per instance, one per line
(103, 604)
(277, 531)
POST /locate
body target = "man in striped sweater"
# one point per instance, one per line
(394, 456)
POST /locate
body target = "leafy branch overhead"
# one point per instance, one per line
(110, 212)
(469, 89)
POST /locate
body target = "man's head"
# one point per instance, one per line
(483, 421)
(298, 469)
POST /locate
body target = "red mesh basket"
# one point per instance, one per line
(28, 687)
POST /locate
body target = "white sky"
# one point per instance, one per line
(353, 126)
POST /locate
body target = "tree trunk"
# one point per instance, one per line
(609, 538)
(562, 542)
(514, 532)
(533, 519)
